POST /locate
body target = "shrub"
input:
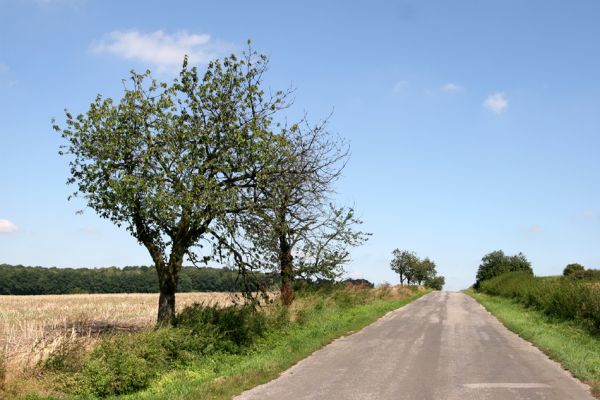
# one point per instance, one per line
(235, 326)
(590, 275)
(128, 363)
(567, 299)
(571, 268)
(497, 263)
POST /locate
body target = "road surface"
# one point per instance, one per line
(442, 346)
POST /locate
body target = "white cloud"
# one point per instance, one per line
(88, 229)
(589, 215)
(535, 229)
(452, 88)
(7, 226)
(4, 68)
(400, 86)
(160, 49)
(496, 102)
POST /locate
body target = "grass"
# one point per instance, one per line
(315, 319)
(567, 342)
(32, 327)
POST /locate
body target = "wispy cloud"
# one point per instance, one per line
(496, 102)
(535, 229)
(400, 86)
(452, 88)
(162, 50)
(589, 215)
(89, 229)
(7, 226)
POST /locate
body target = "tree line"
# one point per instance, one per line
(413, 270)
(21, 280)
(207, 168)
(498, 263)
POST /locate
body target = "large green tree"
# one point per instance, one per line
(497, 263)
(169, 161)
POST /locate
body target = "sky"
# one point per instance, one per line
(474, 125)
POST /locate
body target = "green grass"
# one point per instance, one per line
(316, 319)
(567, 342)
(223, 376)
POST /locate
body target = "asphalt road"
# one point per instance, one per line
(442, 346)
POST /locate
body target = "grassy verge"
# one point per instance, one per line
(569, 343)
(315, 320)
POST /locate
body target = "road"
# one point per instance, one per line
(441, 346)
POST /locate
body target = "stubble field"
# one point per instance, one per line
(33, 326)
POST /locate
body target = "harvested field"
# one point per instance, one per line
(33, 326)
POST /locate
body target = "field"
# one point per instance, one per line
(112, 354)
(33, 326)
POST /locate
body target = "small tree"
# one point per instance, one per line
(572, 268)
(435, 282)
(404, 264)
(424, 270)
(293, 228)
(497, 263)
(171, 161)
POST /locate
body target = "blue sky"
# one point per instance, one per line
(474, 125)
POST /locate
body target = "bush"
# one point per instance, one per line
(127, 363)
(497, 263)
(590, 275)
(571, 268)
(568, 299)
(235, 326)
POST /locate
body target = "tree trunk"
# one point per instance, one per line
(287, 271)
(166, 307)
(168, 278)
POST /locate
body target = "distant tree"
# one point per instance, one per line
(424, 270)
(572, 268)
(358, 283)
(170, 161)
(404, 264)
(497, 263)
(435, 282)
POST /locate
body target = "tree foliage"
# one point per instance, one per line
(170, 161)
(572, 268)
(294, 228)
(21, 280)
(413, 270)
(497, 263)
(404, 263)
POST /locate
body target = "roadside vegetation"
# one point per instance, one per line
(559, 314)
(210, 351)
(208, 168)
(565, 298)
(565, 341)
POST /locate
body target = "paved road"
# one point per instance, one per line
(442, 346)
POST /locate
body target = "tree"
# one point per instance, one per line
(572, 268)
(171, 161)
(404, 264)
(435, 282)
(424, 270)
(497, 263)
(294, 230)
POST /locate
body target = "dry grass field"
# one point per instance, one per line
(33, 326)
